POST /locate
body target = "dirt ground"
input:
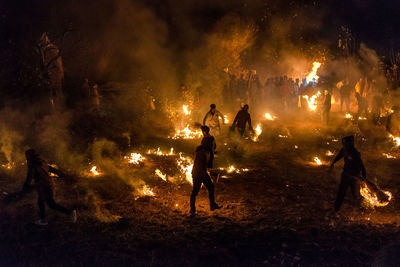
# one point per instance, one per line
(279, 212)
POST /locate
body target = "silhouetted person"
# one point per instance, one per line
(345, 95)
(208, 142)
(353, 170)
(38, 171)
(242, 118)
(211, 119)
(326, 108)
(362, 105)
(200, 176)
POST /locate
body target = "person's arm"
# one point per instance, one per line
(363, 171)
(338, 157)
(29, 178)
(249, 122)
(235, 120)
(205, 117)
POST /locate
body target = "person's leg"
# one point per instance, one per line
(341, 103)
(195, 191)
(42, 209)
(52, 204)
(341, 192)
(210, 187)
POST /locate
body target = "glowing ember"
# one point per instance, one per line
(135, 158)
(348, 116)
(388, 156)
(362, 118)
(312, 101)
(187, 134)
(231, 169)
(313, 77)
(269, 116)
(257, 133)
(185, 166)
(317, 161)
(329, 153)
(161, 175)
(283, 136)
(8, 166)
(371, 198)
(146, 190)
(94, 171)
(226, 120)
(186, 110)
(395, 139)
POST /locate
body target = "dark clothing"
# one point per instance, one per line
(38, 171)
(362, 105)
(200, 176)
(346, 182)
(353, 164)
(345, 97)
(209, 143)
(52, 204)
(326, 108)
(242, 117)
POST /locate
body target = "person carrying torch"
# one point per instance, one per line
(353, 170)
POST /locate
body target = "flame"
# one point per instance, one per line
(161, 175)
(329, 153)
(395, 139)
(147, 191)
(348, 116)
(94, 171)
(283, 136)
(257, 133)
(362, 118)
(269, 116)
(317, 161)
(158, 152)
(388, 156)
(231, 169)
(186, 109)
(371, 196)
(185, 166)
(312, 101)
(187, 134)
(8, 166)
(313, 74)
(226, 120)
(135, 158)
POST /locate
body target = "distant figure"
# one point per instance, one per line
(212, 120)
(326, 109)
(353, 170)
(39, 171)
(200, 176)
(242, 118)
(208, 142)
(393, 121)
(345, 95)
(96, 97)
(362, 105)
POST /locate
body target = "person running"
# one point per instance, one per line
(353, 170)
(38, 171)
(200, 176)
(242, 118)
(211, 120)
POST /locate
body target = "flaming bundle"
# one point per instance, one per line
(317, 161)
(312, 101)
(269, 117)
(161, 175)
(94, 171)
(313, 77)
(373, 196)
(146, 190)
(135, 158)
(257, 133)
(185, 166)
(395, 139)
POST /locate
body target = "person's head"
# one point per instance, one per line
(348, 142)
(32, 156)
(213, 107)
(205, 129)
(246, 107)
